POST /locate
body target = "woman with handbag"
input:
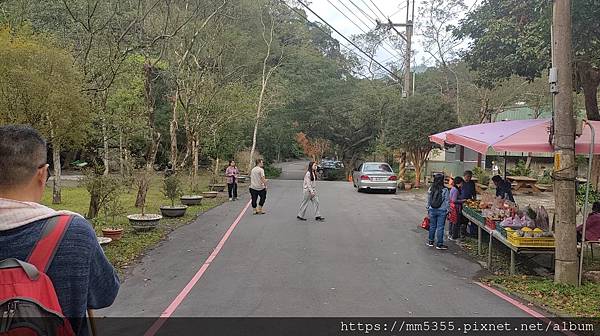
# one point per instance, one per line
(437, 208)
(455, 210)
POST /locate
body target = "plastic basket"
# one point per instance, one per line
(475, 214)
(530, 242)
(491, 224)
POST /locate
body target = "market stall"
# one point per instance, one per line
(520, 136)
(516, 229)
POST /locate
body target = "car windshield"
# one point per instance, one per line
(377, 167)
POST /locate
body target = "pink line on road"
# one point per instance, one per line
(188, 288)
(521, 306)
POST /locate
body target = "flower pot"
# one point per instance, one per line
(173, 211)
(144, 222)
(407, 186)
(210, 194)
(191, 200)
(217, 187)
(112, 233)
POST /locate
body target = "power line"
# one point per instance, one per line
(363, 12)
(369, 7)
(374, 21)
(392, 74)
(355, 24)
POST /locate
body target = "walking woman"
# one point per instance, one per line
(437, 207)
(232, 174)
(310, 193)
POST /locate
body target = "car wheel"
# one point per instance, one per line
(393, 191)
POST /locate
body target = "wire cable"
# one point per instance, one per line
(391, 73)
(365, 32)
(379, 10)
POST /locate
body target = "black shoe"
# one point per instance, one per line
(441, 247)
(300, 218)
(320, 219)
(430, 243)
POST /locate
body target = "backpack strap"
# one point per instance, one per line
(43, 252)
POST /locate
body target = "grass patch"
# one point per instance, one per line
(575, 301)
(122, 253)
(568, 300)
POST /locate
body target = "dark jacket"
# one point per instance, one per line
(82, 276)
(504, 190)
(468, 190)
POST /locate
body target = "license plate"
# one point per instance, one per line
(379, 179)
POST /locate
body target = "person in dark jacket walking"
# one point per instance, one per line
(80, 272)
(467, 192)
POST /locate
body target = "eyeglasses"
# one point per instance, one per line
(47, 166)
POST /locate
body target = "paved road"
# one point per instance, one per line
(368, 259)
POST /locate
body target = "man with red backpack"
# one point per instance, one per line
(51, 266)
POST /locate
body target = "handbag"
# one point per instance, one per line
(425, 223)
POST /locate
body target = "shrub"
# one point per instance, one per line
(172, 188)
(482, 176)
(271, 171)
(593, 197)
(520, 169)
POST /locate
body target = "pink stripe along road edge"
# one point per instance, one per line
(188, 288)
(521, 306)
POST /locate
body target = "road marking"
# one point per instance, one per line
(188, 288)
(521, 306)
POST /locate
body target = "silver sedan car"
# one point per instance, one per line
(375, 176)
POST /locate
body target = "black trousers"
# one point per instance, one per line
(459, 229)
(256, 194)
(232, 190)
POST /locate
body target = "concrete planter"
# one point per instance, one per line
(191, 200)
(146, 222)
(210, 194)
(173, 211)
(217, 187)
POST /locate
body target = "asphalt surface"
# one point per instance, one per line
(368, 259)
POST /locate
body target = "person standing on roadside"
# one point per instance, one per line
(467, 192)
(437, 208)
(61, 244)
(455, 210)
(232, 174)
(258, 187)
(309, 191)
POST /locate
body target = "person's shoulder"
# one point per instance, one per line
(80, 230)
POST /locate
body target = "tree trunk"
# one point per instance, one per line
(56, 185)
(195, 141)
(94, 204)
(105, 146)
(256, 122)
(528, 162)
(140, 200)
(121, 154)
(402, 166)
(173, 131)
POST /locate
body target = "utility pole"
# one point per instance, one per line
(564, 144)
(407, 37)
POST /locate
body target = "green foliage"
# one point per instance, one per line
(104, 193)
(594, 195)
(520, 169)
(172, 188)
(483, 177)
(272, 171)
(546, 177)
(414, 119)
(409, 176)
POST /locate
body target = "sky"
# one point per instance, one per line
(364, 13)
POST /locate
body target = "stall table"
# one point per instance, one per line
(524, 183)
(514, 250)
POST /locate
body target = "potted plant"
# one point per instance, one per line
(113, 207)
(172, 190)
(144, 221)
(214, 185)
(409, 179)
(210, 194)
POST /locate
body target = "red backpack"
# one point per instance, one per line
(28, 302)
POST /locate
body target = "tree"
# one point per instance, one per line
(415, 119)
(40, 86)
